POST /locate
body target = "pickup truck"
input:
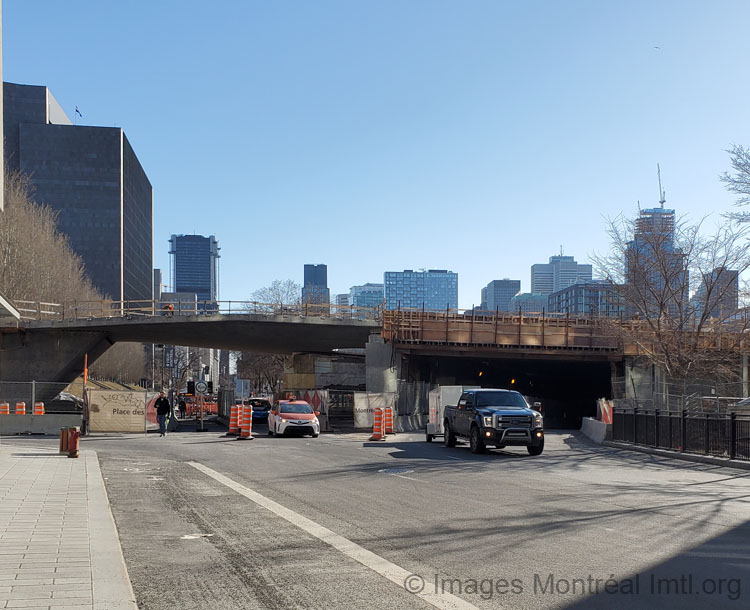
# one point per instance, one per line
(494, 417)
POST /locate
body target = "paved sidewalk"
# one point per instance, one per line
(59, 548)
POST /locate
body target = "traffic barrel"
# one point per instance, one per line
(38, 408)
(20, 408)
(378, 426)
(4, 408)
(234, 420)
(246, 422)
(389, 420)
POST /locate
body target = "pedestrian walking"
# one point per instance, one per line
(163, 408)
(183, 408)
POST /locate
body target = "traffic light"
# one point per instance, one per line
(191, 388)
(210, 389)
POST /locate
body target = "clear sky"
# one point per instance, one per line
(475, 136)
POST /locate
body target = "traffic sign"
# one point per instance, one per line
(201, 387)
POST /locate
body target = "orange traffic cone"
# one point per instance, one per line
(378, 426)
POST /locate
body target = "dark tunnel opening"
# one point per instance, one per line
(567, 389)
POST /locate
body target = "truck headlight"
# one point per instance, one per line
(487, 421)
(538, 421)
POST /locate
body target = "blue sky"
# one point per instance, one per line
(476, 136)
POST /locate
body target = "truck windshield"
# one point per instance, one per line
(500, 399)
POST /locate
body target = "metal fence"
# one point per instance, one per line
(50, 393)
(717, 434)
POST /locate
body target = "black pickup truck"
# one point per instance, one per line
(494, 417)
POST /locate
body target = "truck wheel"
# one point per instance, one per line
(476, 442)
(449, 439)
(536, 450)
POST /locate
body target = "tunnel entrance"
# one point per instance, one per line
(567, 389)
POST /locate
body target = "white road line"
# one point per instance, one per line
(387, 569)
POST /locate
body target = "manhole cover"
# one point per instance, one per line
(395, 471)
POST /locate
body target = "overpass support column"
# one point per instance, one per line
(382, 365)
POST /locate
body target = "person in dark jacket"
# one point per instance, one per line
(163, 409)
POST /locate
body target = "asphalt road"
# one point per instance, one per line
(339, 522)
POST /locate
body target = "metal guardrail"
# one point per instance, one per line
(718, 434)
(84, 310)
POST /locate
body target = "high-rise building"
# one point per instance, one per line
(655, 273)
(497, 294)
(194, 266)
(559, 272)
(157, 284)
(594, 298)
(718, 294)
(436, 289)
(315, 287)
(92, 177)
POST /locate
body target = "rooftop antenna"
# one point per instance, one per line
(662, 194)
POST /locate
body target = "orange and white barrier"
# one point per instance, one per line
(389, 420)
(4, 408)
(378, 426)
(234, 420)
(20, 408)
(38, 408)
(246, 422)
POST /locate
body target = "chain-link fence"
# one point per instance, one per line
(52, 394)
(695, 396)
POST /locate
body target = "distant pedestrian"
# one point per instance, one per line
(163, 408)
(183, 408)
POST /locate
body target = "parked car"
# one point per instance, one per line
(293, 416)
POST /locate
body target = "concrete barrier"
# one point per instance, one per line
(596, 430)
(38, 424)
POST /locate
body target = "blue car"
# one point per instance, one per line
(261, 407)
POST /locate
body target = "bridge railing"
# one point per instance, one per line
(78, 310)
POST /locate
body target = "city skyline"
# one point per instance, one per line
(536, 125)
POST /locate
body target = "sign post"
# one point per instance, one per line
(200, 389)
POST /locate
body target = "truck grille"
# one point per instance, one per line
(513, 421)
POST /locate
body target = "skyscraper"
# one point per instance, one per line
(367, 295)
(436, 289)
(92, 177)
(558, 273)
(194, 265)
(315, 287)
(498, 293)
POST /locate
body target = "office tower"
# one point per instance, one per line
(559, 272)
(367, 295)
(718, 294)
(315, 287)
(655, 274)
(436, 289)
(157, 284)
(498, 293)
(194, 266)
(92, 177)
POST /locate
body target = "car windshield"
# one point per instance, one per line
(260, 405)
(499, 399)
(294, 408)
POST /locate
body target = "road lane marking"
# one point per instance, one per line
(396, 574)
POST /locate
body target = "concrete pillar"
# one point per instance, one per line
(382, 365)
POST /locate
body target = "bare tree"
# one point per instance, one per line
(738, 181)
(263, 370)
(280, 292)
(683, 305)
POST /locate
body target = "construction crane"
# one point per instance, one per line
(662, 194)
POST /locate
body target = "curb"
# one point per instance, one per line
(109, 575)
(686, 457)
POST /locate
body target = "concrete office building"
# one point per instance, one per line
(93, 178)
(315, 286)
(718, 294)
(558, 273)
(497, 294)
(434, 290)
(194, 266)
(528, 303)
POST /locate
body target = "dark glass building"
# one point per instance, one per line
(195, 265)
(92, 177)
(315, 289)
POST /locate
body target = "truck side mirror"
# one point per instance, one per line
(538, 406)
